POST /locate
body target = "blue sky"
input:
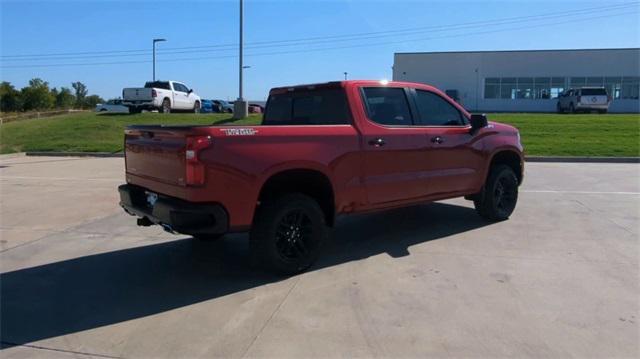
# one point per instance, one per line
(208, 29)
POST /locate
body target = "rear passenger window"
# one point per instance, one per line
(387, 106)
(317, 107)
(433, 110)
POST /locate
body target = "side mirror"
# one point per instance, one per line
(190, 91)
(478, 121)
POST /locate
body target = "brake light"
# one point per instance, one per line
(154, 93)
(195, 170)
(579, 97)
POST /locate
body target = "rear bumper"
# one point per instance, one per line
(587, 106)
(175, 214)
(141, 104)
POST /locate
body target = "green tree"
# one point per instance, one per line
(92, 101)
(65, 99)
(81, 93)
(10, 98)
(37, 96)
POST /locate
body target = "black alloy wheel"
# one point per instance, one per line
(293, 235)
(499, 197)
(287, 233)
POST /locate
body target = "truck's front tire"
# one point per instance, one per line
(499, 195)
(287, 233)
(196, 107)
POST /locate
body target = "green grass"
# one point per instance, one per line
(615, 135)
(542, 134)
(91, 132)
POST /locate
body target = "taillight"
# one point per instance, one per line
(154, 93)
(195, 175)
(579, 97)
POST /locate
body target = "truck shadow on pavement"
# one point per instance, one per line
(108, 288)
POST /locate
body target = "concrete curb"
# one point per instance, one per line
(582, 159)
(76, 154)
(527, 159)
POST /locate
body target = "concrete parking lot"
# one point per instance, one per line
(559, 279)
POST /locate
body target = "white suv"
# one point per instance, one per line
(585, 99)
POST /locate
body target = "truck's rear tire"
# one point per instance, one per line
(166, 106)
(134, 110)
(287, 233)
(499, 195)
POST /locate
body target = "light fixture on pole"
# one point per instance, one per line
(345, 75)
(154, 56)
(240, 106)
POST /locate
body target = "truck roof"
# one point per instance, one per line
(344, 84)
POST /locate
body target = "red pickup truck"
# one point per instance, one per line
(321, 151)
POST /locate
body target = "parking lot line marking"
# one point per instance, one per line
(581, 192)
(61, 178)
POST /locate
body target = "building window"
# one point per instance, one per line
(492, 87)
(630, 87)
(508, 88)
(613, 85)
(595, 81)
(542, 88)
(525, 88)
(557, 86)
(576, 82)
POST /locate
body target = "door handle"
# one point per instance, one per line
(437, 139)
(377, 142)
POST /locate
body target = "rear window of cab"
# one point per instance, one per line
(311, 107)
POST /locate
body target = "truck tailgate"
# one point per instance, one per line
(137, 94)
(157, 153)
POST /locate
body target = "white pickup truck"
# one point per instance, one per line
(164, 96)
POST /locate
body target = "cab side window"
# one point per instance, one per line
(387, 106)
(434, 110)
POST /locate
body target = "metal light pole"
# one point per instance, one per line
(240, 107)
(154, 56)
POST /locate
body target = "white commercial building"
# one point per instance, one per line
(524, 81)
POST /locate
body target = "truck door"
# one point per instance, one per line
(180, 96)
(393, 149)
(453, 161)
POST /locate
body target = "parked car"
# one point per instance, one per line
(113, 106)
(585, 99)
(207, 106)
(223, 106)
(165, 96)
(322, 150)
(253, 108)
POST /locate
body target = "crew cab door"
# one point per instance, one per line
(454, 158)
(180, 96)
(393, 148)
